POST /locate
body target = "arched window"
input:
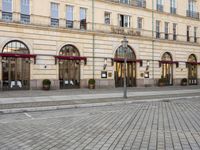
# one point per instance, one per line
(167, 68)
(192, 58)
(15, 66)
(69, 69)
(16, 47)
(120, 53)
(130, 67)
(167, 57)
(192, 70)
(69, 50)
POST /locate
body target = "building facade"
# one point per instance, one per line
(72, 41)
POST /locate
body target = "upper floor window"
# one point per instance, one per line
(139, 22)
(157, 29)
(159, 5)
(188, 33)
(141, 3)
(83, 21)
(192, 9)
(124, 21)
(174, 31)
(125, 1)
(69, 16)
(107, 17)
(166, 30)
(54, 14)
(7, 10)
(173, 6)
(195, 34)
(25, 11)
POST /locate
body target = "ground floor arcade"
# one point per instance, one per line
(17, 63)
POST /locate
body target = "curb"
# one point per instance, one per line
(47, 108)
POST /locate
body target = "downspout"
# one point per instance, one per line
(153, 42)
(93, 42)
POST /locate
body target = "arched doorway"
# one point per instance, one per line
(130, 68)
(69, 69)
(15, 66)
(167, 68)
(192, 70)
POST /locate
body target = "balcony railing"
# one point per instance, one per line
(192, 14)
(7, 16)
(174, 37)
(54, 22)
(141, 3)
(159, 7)
(25, 19)
(172, 10)
(137, 3)
(69, 24)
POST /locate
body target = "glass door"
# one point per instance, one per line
(130, 74)
(192, 74)
(69, 74)
(167, 73)
(16, 73)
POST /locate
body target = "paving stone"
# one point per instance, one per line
(149, 125)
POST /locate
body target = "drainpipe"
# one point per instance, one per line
(153, 41)
(93, 42)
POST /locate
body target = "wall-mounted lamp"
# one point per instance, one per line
(105, 64)
(148, 64)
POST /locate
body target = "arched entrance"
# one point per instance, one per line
(130, 68)
(167, 68)
(15, 66)
(69, 69)
(192, 70)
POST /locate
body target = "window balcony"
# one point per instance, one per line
(159, 7)
(25, 19)
(174, 37)
(69, 24)
(7, 16)
(172, 10)
(83, 24)
(192, 14)
(166, 36)
(157, 35)
(54, 22)
(140, 3)
(137, 3)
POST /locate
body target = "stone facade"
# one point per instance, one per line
(100, 41)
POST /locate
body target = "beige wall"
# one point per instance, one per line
(46, 41)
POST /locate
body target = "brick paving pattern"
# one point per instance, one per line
(150, 125)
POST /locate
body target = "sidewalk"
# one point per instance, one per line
(17, 101)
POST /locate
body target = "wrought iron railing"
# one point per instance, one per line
(137, 3)
(7, 16)
(159, 7)
(172, 10)
(25, 19)
(192, 14)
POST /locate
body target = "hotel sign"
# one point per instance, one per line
(132, 32)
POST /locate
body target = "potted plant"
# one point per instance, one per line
(91, 84)
(162, 82)
(46, 84)
(184, 82)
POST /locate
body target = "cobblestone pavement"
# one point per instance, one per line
(149, 125)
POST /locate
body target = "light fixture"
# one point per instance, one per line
(124, 42)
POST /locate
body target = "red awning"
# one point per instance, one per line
(71, 58)
(193, 63)
(168, 62)
(18, 55)
(128, 60)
